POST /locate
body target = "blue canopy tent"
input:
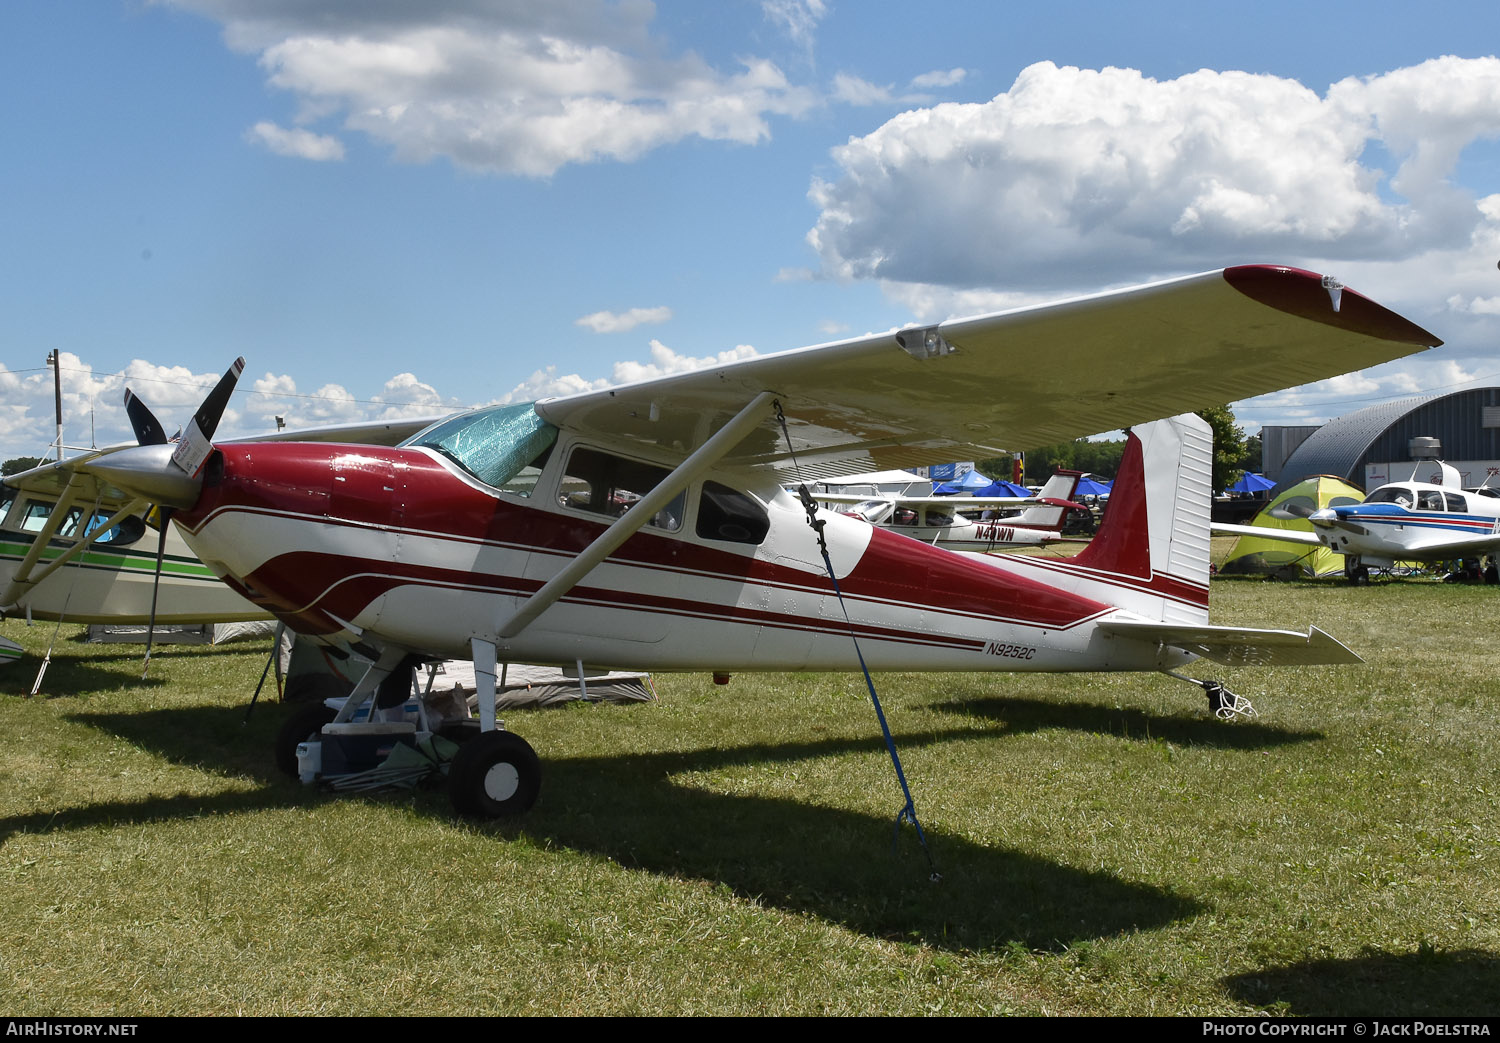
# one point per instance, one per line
(1251, 483)
(971, 481)
(1089, 487)
(1000, 487)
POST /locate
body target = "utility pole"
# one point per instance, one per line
(56, 364)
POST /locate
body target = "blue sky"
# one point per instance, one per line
(405, 208)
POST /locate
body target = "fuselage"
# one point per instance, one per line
(408, 547)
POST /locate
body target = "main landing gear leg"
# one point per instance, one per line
(1222, 703)
(496, 774)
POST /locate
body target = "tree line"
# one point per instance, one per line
(1234, 454)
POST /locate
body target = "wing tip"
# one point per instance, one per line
(1304, 294)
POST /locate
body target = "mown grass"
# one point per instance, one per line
(1104, 846)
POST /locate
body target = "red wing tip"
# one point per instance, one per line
(1303, 293)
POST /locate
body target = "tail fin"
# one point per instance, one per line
(1048, 515)
(1150, 556)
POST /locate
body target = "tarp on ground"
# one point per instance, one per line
(1253, 555)
(183, 633)
(312, 672)
(524, 684)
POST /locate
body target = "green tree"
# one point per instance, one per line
(1229, 446)
(17, 464)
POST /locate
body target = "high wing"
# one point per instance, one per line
(971, 388)
(958, 503)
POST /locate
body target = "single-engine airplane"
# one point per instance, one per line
(646, 525)
(940, 520)
(1401, 521)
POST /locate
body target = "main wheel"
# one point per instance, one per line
(493, 775)
(307, 722)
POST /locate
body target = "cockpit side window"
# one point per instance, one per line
(602, 483)
(1456, 502)
(1430, 500)
(732, 516)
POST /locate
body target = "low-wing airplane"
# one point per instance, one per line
(1401, 521)
(1007, 521)
(646, 525)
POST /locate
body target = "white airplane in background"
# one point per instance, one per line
(646, 525)
(1401, 521)
(1030, 521)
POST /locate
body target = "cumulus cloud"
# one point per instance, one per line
(619, 322)
(297, 143)
(1083, 178)
(503, 88)
(174, 392)
(93, 403)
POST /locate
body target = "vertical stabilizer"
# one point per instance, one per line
(1150, 556)
(1061, 486)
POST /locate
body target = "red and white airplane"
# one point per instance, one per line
(646, 525)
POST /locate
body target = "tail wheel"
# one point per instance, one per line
(494, 775)
(307, 722)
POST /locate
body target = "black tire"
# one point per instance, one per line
(494, 775)
(302, 725)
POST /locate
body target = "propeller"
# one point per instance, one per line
(164, 472)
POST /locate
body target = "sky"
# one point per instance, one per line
(398, 209)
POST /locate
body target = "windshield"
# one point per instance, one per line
(494, 445)
(1397, 494)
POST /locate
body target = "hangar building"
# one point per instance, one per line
(1371, 446)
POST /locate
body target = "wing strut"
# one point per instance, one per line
(605, 544)
(49, 529)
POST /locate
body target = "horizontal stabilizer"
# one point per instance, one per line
(1239, 646)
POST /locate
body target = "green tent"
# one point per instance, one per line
(1253, 555)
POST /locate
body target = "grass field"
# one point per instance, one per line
(1105, 847)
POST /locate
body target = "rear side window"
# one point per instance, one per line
(602, 483)
(731, 516)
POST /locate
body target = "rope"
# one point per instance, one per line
(908, 812)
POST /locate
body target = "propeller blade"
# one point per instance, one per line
(197, 440)
(148, 430)
(1292, 509)
(207, 417)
